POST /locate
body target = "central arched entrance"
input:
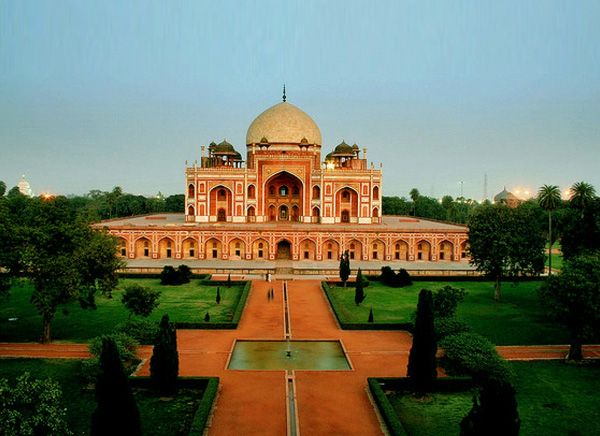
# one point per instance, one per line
(284, 249)
(284, 194)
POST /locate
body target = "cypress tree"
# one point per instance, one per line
(229, 280)
(164, 363)
(359, 293)
(422, 367)
(218, 299)
(116, 411)
(371, 315)
(207, 317)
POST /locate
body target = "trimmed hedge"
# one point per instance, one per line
(362, 325)
(386, 409)
(210, 385)
(458, 278)
(130, 275)
(203, 412)
(237, 314)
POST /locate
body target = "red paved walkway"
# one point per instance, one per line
(254, 402)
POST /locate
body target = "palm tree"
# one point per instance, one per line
(582, 195)
(414, 195)
(549, 199)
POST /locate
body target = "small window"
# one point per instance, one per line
(221, 194)
(295, 190)
(214, 254)
(260, 245)
(306, 254)
(260, 254)
(283, 191)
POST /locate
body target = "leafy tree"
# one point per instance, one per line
(422, 366)
(140, 300)
(496, 414)
(32, 407)
(572, 297)
(218, 299)
(505, 242)
(445, 301)
(581, 231)
(549, 199)
(64, 258)
(396, 206)
(164, 363)
(359, 293)
(345, 267)
(116, 411)
(2, 188)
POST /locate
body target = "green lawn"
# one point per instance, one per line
(517, 319)
(159, 417)
(554, 398)
(184, 303)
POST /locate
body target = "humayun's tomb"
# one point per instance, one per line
(284, 201)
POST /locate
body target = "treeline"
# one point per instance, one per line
(456, 210)
(98, 205)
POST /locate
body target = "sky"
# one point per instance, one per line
(97, 94)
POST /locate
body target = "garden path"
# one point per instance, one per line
(254, 402)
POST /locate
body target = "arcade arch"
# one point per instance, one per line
(213, 249)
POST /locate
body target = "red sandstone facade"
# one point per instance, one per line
(285, 202)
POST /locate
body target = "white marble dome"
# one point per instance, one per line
(283, 123)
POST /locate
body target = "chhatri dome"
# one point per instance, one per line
(284, 123)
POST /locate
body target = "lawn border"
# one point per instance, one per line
(387, 411)
(210, 385)
(361, 325)
(237, 314)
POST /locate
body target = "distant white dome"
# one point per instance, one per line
(283, 123)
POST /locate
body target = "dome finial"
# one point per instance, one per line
(284, 93)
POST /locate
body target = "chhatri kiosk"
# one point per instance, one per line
(285, 201)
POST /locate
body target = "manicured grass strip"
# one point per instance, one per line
(517, 320)
(186, 413)
(555, 397)
(185, 303)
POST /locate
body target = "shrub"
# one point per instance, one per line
(169, 276)
(449, 326)
(32, 407)
(116, 411)
(446, 299)
(164, 363)
(126, 348)
(390, 278)
(184, 274)
(422, 360)
(140, 300)
(472, 354)
(142, 330)
(174, 277)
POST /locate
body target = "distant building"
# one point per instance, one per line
(24, 187)
(508, 198)
(285, 202)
